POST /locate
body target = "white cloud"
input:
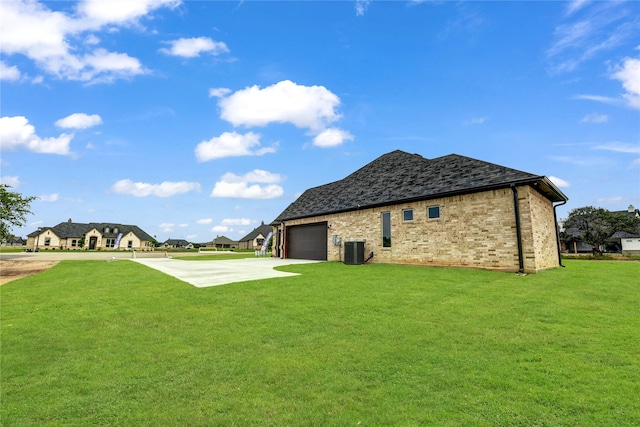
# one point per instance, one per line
(218, 92)
(58, 43)
(611, 200)
(559, 182)
(164, 189)
(16, 132)
(95, 14)
(204, 221)
(362, 6)
(629, 74)
(619, 147)
(236, 186)
(166, 227)
(183, 225)
(236, 221)
(10, 180)
(79, 121)
(244, 191)
(48, 197)
(9, 72)
(599, 27)
(595, 118)
(575, 5)
(332, 137)
(104, 66)
(475, 121)
(193, 47)
(597, 98)
(256, 175)
(311, 107)
(221, 229)
(231, 144)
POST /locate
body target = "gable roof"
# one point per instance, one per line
(176, 242)
(223, 240)
(263, 229)
(398, 177)
(69, 229)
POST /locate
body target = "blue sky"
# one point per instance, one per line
(193, 119)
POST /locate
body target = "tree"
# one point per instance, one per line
(13, 210)
(595, 225)
(589, 224)
(622, 222)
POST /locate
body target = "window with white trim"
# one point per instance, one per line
(433, 212)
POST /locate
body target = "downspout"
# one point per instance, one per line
(555, 219)
(516, 205)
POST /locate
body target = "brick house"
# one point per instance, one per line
(93, 236)
(176, 244)
(448, 211)
(255, 239)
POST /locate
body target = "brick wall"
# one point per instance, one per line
(474, 230)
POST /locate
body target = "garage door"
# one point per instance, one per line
(307, 241)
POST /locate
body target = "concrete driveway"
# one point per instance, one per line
(202, 274)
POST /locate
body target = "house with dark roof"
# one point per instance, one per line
(256, 238)
(221, 242)
(448, 211)
(176, 244)
(628, 243)
(92, 236)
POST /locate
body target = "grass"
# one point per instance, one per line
(118, 344)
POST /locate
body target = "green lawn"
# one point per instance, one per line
(118, 344)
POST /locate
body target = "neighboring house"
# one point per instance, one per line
(627, 243)
(92, 236)
(176, 244)
(256, 238)
(624, 242)
(619, 242)
(448, 211)
(13, 241)
(221, 242)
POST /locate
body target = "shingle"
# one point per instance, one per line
(66, 230)
(398, 176)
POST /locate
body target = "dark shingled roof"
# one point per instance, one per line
(223, 240)
(261, 229)
(176, 242)
(398, 177)
(68, 229)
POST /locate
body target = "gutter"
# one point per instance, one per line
(516, 206)
(555, 219)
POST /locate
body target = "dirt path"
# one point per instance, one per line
(17, 269)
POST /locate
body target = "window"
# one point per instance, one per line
(407, 215)
(106, 230)
(130, 244)
(433, 212)
(386, 229)
(110, 243)
(115, 230)
(74, 243)
(47, 241)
